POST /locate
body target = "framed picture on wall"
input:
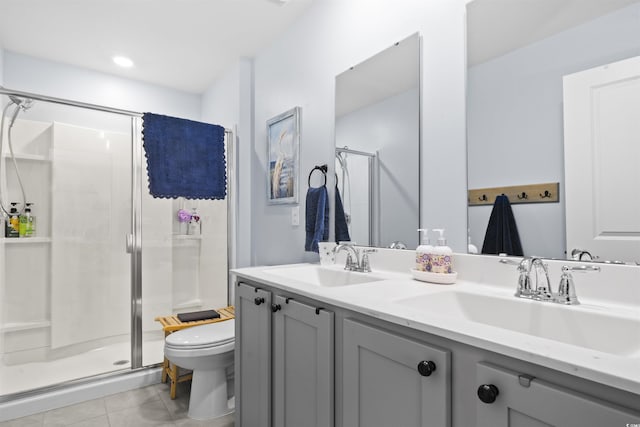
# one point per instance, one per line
(283, 156)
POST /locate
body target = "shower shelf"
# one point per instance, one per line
(26, 240)
(23, 326)
(186, 237)
(33, 157)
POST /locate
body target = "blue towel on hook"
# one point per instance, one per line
(316, 218)
(342, 229)
(502, 233)
(184, 158)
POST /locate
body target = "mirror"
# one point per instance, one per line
(518, 53)
(377, 138)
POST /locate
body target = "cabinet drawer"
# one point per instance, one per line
(522, 401)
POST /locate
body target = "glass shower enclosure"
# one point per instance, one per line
(78, 297)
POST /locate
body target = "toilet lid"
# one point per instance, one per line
(208, 335)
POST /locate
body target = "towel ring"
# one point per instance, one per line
(322, 169)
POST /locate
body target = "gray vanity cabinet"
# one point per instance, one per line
(389, 380)
(511, 399)
(303, 365)
(284, 361)
(253, 356)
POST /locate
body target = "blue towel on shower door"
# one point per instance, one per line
(502, 233)
(316, 218)
(184, 158)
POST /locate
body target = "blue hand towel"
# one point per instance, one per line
(502, 233)
(316, 218)
(184, 158)
(342, 229)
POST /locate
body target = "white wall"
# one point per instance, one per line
(515, 126)
(299, 69)
(229, 103)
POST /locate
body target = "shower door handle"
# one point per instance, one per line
(129, 243)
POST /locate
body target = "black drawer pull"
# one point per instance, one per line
(488, 393)
(426, 368)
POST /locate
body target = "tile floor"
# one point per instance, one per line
(149, 406)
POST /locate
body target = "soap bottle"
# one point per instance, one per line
(24, 218)
(12, 228)
(441, 255)
(27, 222)
(423, 252)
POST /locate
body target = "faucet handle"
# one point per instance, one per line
(365, 264)
(566, 288)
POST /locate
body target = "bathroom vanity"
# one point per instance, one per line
(320, 346)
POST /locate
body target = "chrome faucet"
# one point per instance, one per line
(533, 281)
(579, 254)
(354, 262)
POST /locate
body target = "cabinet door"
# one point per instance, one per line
(253, 356)
(523, 402)
(382, 385)
(302, 365)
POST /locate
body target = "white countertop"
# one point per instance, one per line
(380, 300)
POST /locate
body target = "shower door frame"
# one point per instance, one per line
(374, 197)
(134, 239)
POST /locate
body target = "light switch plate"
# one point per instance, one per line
(295, 215)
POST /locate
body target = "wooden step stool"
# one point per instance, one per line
(172, 324)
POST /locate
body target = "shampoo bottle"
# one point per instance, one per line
(423, 252)
(12, 228)
(441, 255)
(24, 221)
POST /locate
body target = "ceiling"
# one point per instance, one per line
(181, 44)
(496, 27)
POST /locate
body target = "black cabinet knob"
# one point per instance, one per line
(258, 300)
(275, 307)
(488, 393)
(426, 368)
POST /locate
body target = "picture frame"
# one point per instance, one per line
(283, 157)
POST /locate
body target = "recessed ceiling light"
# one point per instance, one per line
(123, 61)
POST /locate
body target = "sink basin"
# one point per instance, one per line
(573, 325)
(324, 276)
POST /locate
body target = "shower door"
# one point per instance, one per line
(66, 291)
(80, 297)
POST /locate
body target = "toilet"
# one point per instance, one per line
(208, 351)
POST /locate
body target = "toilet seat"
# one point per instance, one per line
(218, 334)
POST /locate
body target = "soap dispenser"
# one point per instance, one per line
(441, 255)
(423, 252)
